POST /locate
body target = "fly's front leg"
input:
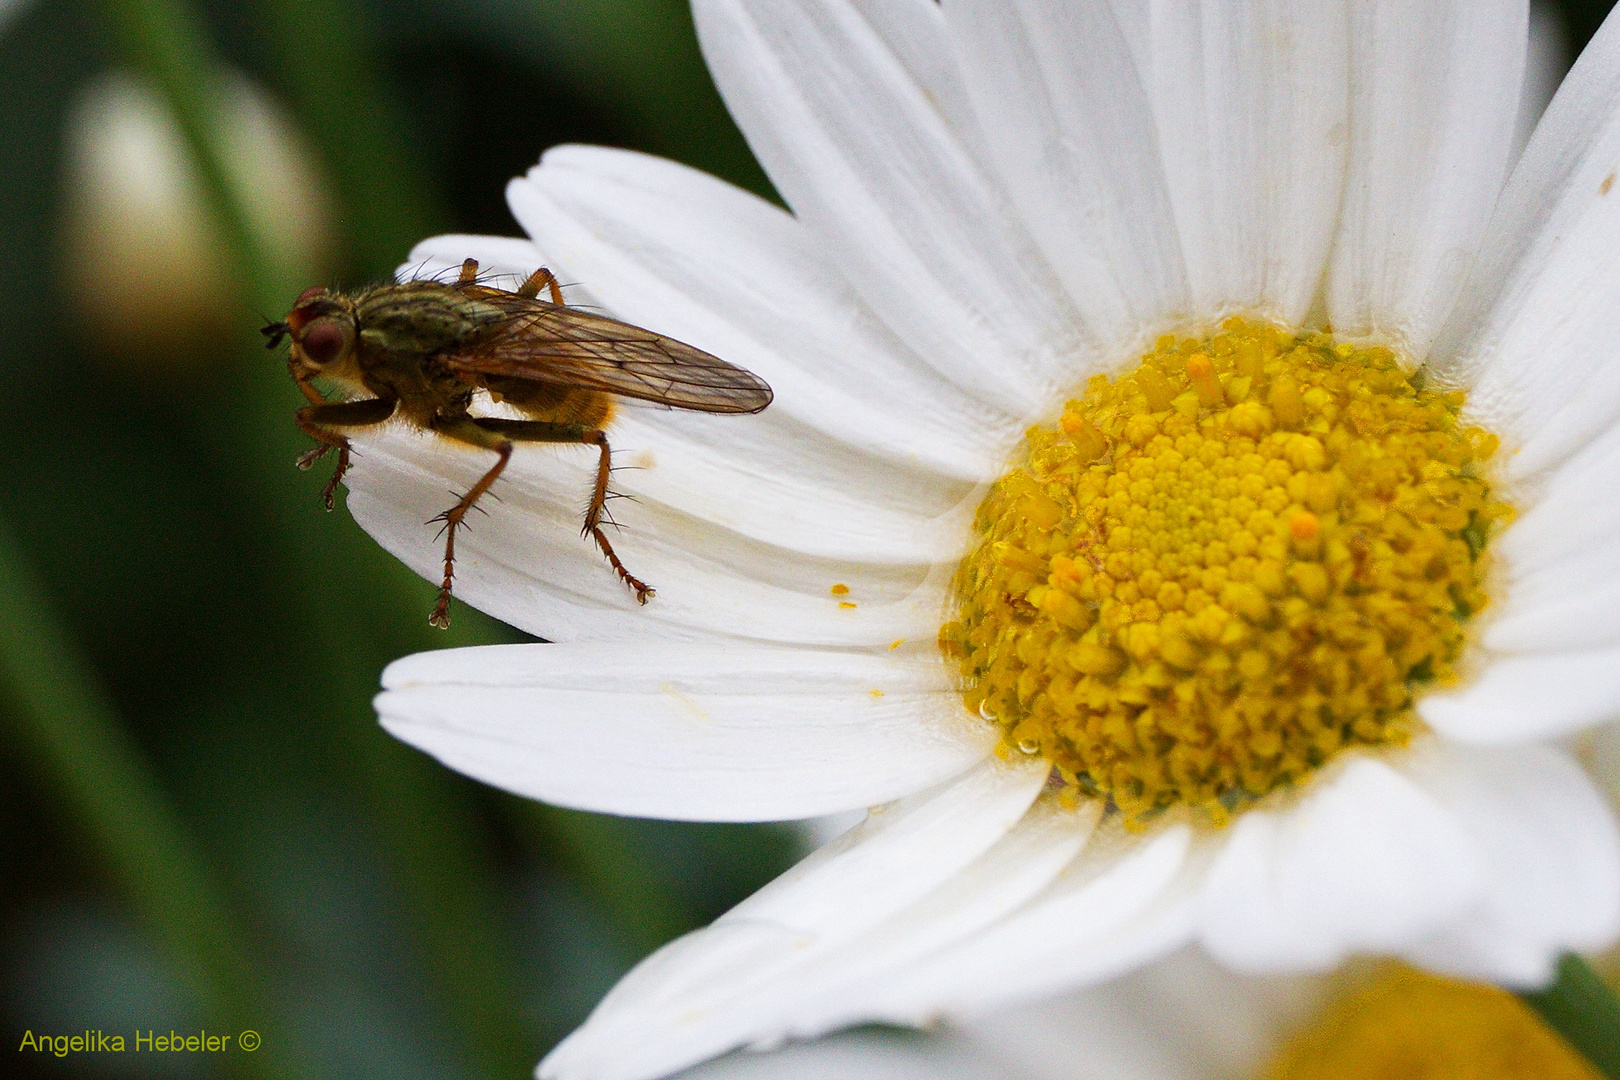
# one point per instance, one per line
(544, 431)
(309, 457)
(317, 421)
(295, 370)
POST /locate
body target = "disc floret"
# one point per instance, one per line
(1220, 569)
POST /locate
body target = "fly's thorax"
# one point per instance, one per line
(423, 385)
(1215, 573)
(422, 318)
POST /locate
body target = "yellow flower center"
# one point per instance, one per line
(1411, 1026)
(1223, 568)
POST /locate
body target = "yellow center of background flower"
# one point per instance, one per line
(1224, 567)
(1408, 1025)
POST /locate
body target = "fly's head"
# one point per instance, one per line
(323, 330)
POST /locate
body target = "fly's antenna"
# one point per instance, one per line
(274, 332)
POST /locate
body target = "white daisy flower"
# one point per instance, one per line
(1195, 661)
(1183, 1018)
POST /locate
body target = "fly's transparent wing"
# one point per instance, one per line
(568, 347)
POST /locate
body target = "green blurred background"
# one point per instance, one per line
(201, 825)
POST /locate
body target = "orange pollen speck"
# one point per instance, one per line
(1202, 374)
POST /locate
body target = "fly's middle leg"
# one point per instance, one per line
(452, 519)
(596, 510)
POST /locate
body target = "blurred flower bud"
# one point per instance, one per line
(144, 260)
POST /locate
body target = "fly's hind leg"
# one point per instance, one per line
(542, 279)
(598, 509)
(595, 512)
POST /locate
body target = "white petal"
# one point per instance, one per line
(1250, 101)
(733, 733)
(1567, 608)
(1532, 332)
(843, 121)
(1434, 98)
(833, 991)
(947, 828)
(858, 1055)
(818, 979)
(1529, 697)
(821, 831)
(775, 478)
(918, 38)
(662, 1034)
(972, 815)
(1181, 1018)
(1135, 18)
(666, 246)
(1365, 862)
(524, 561)
(1545, 63)
(1600, 751)
(1124, 902)
(1070, 131)
(774, 482)
(506, 261)
(1559, 557)
(1552, 860)
(696, 996)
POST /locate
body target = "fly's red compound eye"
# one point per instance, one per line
(323, 341)
(309, 294)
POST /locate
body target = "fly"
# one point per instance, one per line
(421, 351)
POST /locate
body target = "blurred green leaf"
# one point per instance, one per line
(79, 743)
(325, 57)
(641, 56)
(1585, 1010)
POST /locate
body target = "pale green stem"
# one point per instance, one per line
(76, 739)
